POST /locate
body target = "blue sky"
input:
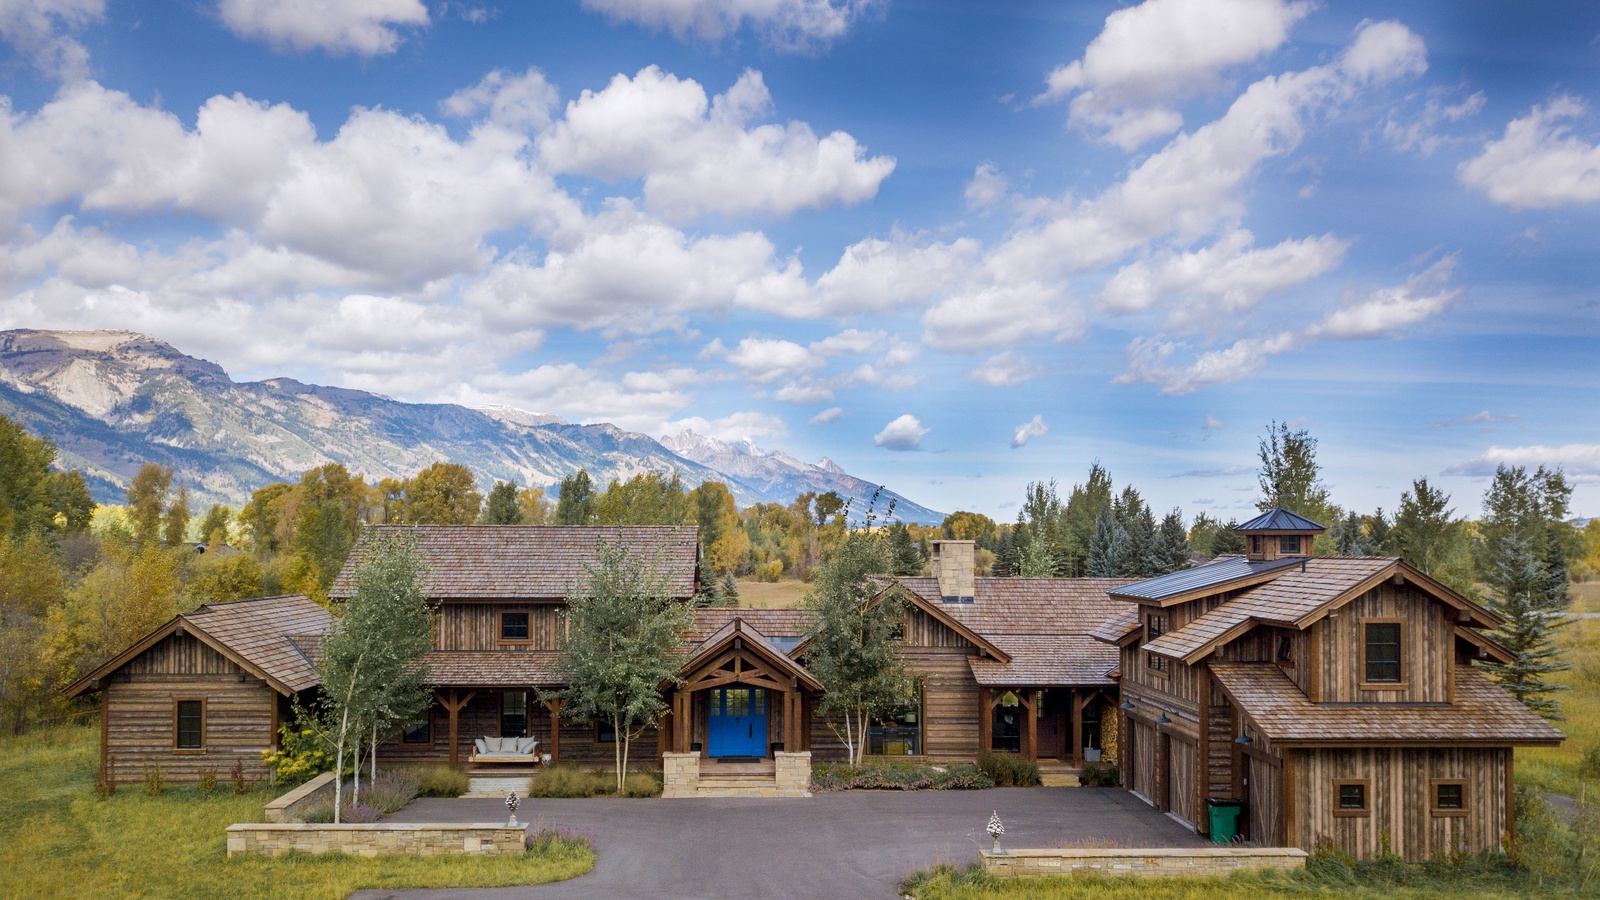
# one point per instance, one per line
(953, 246)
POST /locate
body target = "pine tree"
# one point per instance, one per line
(575, 504)
(1349, 537)
(1521, 592)
(502, 507)
(1290, 475)
(1108, 548)
(1172, 544)
(1226, 540)
(1005, 554)
(906, 557)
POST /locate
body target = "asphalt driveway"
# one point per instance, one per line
(853, 844)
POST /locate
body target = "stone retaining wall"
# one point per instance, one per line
(1191, 862)
(794, 773)
(291, 807)
(379, 839)
(680, 775)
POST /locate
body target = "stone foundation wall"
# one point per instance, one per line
(1196, 862)
(380, 839)
(291, 807)
(794, 773)
(680, 775)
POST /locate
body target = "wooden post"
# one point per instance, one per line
(453, 706)
(1511, 799)
(1076, 704)
(1202, 756)
(105, 728)
(985, 721)
(272, 736)
(1163, 782)
(1124, 750)
(1030, 708)
(555, 728)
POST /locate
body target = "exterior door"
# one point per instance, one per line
(738, 722)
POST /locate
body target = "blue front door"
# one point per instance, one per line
(738, 722)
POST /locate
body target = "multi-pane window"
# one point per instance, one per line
(1155, 625)
(605, 733)
(1350, 798)
(900, 732)
(189, 719)
(513, 626)
(1449, 798)
(418, 730)
(1382, 656)
(1289, 543)
(514, 714)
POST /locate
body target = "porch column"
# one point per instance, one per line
(1076, 704)
(453, 705)
(682, 721)
(555, 728)
(985, 721)
(1030, 734)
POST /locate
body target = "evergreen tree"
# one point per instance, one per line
(502, 507)
(1520, 591)
(730, 590)
(575, 503)
(1290, 475)
(1005, 554)
(1078, 519)
(1172, 544)
(1226, 540)
(1380, 534)
(1108, 547)
(905, 556)
(1425, 527)
(1349, 536)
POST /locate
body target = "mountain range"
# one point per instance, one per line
(113, 400)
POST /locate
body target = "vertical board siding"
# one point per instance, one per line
(1264, 806)
(949, 700)
(1142, 780)
(1401, 820)
(923, 630)
(1427, 655)
(476, 626)
(1180, 779)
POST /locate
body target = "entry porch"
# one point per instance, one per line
(1069, 725)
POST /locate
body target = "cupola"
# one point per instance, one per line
(1277, 533)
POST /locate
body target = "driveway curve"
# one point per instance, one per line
(853, 844)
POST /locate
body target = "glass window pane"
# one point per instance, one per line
(1352, 796)
(1451, 796)
(514, 714)
(191, 724)
(1383, 651)
(514, 626)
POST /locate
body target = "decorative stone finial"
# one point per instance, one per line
(512, 802)
(996, 829)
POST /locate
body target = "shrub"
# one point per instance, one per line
(897, 775)
(441, 781)
(355, 813)
(304, 754)
(1100, 775)
(567, 780)
(208, 779)
(963, 777)
(154, 780)
(391, 790)
(1009, 770)
(641, 784)
(242, 783)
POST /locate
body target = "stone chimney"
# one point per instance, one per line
(952, 565)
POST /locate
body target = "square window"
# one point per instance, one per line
(190, 721)
(1289, 543)
(1350, 798)
(1382, 652)
(605, 733)
(513, 626)
(419, 731)
(1449, 798)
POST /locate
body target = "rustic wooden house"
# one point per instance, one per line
(1337, 697)
(206, 689)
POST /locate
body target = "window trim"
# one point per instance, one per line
(1366, 797)
(405, 739)
(1433, 797)
(1401, 684)
(599, 736)
(500, 638)
(1283, 547)
(175, 702)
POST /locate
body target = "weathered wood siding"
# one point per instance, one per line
(1142, 780)
(140, 728)
(938, 656)
(1427, 654)
(1180, 779)
(1400, 797)
(1264, 807)
(476, 626)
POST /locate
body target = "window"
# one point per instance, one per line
(189, 724)
(418, 730)
(514, 714)
(1155, 662)
(900, 732)
(1155, 625)
(1255, 543)
(1288, 543)
(1006, 734)
(1350, 798)
(1381, 651)
(513, 627)
(1449, 798)
(605, 733)
(1285, 650)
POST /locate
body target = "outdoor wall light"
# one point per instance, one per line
(1163, 720)
(1242, 738)
(1127, 704)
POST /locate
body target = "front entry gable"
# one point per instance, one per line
(739, 654)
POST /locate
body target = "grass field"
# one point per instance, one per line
(1556, 768)
(58, 839)
(772, 595)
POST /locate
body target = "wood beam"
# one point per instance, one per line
(455, 728)
(1076, 706)
(554, 705)
(1202, 756)
(985, 721)
(1031, 733)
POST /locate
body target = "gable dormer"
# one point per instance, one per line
(1278, 533)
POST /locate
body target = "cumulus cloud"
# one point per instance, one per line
(361, 27)
(904, 433)
(764, 361)
(523, 102)
(986, 188)
(1366, 316)
(1420, 133)
(1029, 430)
(828, 416)
(41, 31)
(1478, 418)
(850, 340)
(1538, 162)
(1211, 423)
(1581, 462)
(1005, 369)
(793, 25)
(1150, 55)
(698, 156)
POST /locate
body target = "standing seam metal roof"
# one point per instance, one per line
(1217, 573)
(1279, 519)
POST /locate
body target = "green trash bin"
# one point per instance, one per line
(1224, 819)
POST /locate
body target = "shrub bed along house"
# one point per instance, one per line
(897, 775)
(1009, 770)
(566, 780)
(1099, 775)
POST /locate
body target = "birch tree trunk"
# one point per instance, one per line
(338, 768)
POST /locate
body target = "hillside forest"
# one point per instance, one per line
(80, 581)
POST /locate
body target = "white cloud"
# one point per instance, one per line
(1421, 132)
(39, 31)
(1380, 313)
(1005, 369)
(523, 102)
(900, 354)
(904, 433)
(984, 317)
(363, 27)
(1148, 56)
(804, 392)
(987, 188)
(698, 157)
(741, 426)
(1029, 430)
(875, 275)
(794, 25)
(1581, 462)
(1216, 283)
(1538, 162)
(1478, 418)
(849, 341)
(1211, 423)
(828, 416)
(764, 361)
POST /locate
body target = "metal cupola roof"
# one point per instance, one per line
(1279, 519)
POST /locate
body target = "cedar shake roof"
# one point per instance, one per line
(256, 634)
(737, 628)
(504, 562)
(493, 668)
(1044, 625)
(1312, 583)
(1279, 519)
(1480, 713)
(1119, 628)
(772, 623)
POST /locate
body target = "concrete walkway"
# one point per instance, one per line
(853, 844)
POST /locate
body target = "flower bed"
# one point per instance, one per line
(897, 775)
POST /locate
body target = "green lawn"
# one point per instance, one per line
(59, 839)
(1556, 769)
